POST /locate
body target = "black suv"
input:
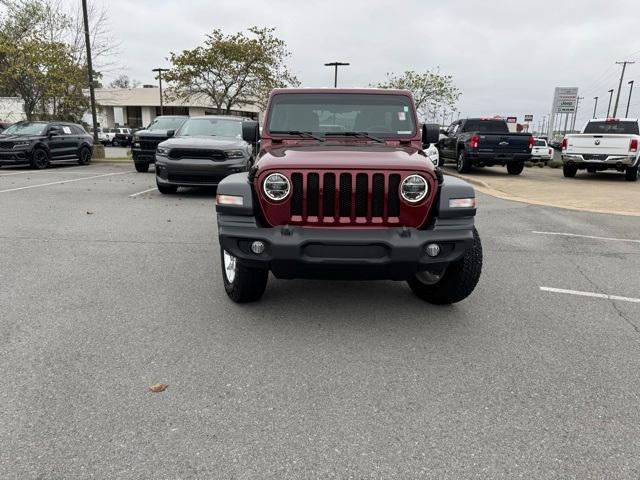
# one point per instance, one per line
(145, 142)
(39, 143)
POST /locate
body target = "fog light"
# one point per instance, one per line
(257, 247)
(433, 250)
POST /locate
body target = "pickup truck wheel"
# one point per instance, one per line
(456, 283)
(39, 159)
(463, 165)
(569, 171)
(142, 167)
(515, 168)
(242, 284)
(631, 174)
(84, 157)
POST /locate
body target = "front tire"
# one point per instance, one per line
(515, 168)
(242, 284)
(84, 157)
(631, 174)
(456, 283)
(39, 159)
(142, 167)
(463, 164)
(569, 171)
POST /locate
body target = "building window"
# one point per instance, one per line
(134, 117)
(173, 111)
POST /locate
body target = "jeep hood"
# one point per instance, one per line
(345, 157)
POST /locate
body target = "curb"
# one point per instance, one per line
(111, 160)
(485, 188)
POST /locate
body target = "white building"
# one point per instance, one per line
(137, 107)
(11, 109)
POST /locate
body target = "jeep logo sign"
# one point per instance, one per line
(597, 142)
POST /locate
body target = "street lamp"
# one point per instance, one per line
(595, 106)
(92, 92)
(610, 98)
(159, 71)
(626, 115)
(336, 65)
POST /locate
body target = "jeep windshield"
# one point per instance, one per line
(341, 114)
(166, 123)
(26, 129)
(211, 127)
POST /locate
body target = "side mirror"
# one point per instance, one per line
(171, 133)
(250, 132)
(430, 133)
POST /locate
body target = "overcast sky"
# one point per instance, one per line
(505, 56)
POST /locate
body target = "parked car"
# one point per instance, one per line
(40, 143)
(604, 144)
(485, 142)
(541, 150)
(203, 151)
(431, 151)
(145, 142)
(122, 137)
(105, 135)
(357, 202)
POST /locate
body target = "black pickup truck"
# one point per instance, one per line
(484, 142)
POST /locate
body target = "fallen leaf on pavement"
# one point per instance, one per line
(89, 213)
(158, 387)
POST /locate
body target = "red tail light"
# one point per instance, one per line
(475, 141)
(633, 145)
(565, 143)
(551, 152)
(531, 141)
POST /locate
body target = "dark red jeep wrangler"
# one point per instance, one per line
(343, 190)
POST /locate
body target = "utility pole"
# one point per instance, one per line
(624, 67)
(626, 115)
(610, 98)
(458, 115)
(336, 65)
(160, 71)
(575, 114)
(595, 106)
(92, 91)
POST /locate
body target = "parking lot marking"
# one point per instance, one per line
(628, 240)
(63, 181)
(143, 192)
(590, 294)
(26, 172)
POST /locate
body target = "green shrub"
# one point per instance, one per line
(554, 164)
(528, 164)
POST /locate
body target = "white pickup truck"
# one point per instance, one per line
(604, 144)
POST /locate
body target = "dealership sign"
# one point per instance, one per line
(528, 118)
(565, 100)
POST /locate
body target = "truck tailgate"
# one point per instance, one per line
(609, 144)
(504, 143)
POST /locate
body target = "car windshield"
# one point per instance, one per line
(540, 143)
(211, 127)
(166, 123)
(382, 115)
(612, 126)
(26, 129)
(486, 126)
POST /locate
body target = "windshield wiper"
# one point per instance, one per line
(301, 134)
(355, 134)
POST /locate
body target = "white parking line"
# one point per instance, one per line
(143, 192)
(33, 172)
(63, 181)
(590, 294)
(628, 240)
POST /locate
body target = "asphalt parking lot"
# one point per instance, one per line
(108, 287)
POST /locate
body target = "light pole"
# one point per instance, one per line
(595, 107)
(626, 115)
(159, 71)
(92, 91)
(336, 65)
(610, 98)
(624, 67)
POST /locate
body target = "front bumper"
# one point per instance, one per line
(342, 253)
(609, 161)
(14, 157)
(196, 172)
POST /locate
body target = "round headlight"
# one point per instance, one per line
(414, 188)
(276, 187)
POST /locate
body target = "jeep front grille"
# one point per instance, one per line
(345, 198)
